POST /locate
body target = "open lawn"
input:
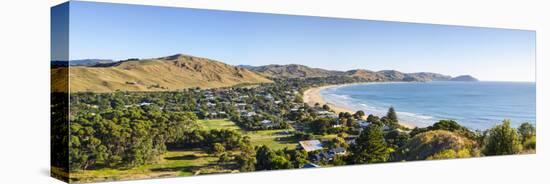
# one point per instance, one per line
(274, 139)
(218, 124)
(172, 163)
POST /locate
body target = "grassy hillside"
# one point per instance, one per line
(160, 74)
(59, 79)
(171, 164)
(437, 144)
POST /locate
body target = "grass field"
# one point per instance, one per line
(275, 139)
(172, 163)
(218, 124)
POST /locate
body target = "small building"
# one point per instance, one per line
(311, 145)
(363, 124)
(145, 104)
(338, 151)
(209, 104)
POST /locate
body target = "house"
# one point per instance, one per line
(145, 104)
(250, 114)
(321, 156)
(323, 112)
(338, 151)
(363, 124)
(311, 145)
(326, 114)
(213, 115)
(241, 105)
(210, 104)
(267, 123)
(337, 125)
(268, 97)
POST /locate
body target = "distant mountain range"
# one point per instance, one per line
(301, 71)
(81, 62)
(183, 71)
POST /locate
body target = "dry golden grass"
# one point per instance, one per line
(161, 74)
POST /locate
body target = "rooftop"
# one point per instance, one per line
(311, 145)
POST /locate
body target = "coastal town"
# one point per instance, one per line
(284, 124)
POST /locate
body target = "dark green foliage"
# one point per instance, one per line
(502, 140)
(449, 125)
(59, 131)
(303, 136)
(246, 161)
(370, 146)
(373, 119)
(396, 138)
(526, 131)
(271, 160)
(298, 157)
(321, 126)
(124, 137)
(336, 143)
(359, 114)
(391, 115)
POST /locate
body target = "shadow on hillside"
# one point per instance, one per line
(176, 169)
(186, 157)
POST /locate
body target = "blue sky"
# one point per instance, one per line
(115, 31)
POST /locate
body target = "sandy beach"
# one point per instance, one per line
(313, 95)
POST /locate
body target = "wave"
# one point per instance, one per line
(356, 104)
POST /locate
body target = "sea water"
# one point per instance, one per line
(476, 105)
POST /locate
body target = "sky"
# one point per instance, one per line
(116, 31)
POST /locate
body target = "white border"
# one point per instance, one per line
(25, 82)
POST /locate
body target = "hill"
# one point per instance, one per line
(426, 76)
(160, 74)
(436, 144)
(366, 75)
(301, 71)
(465, 78)
(291, 71)
(89, 62)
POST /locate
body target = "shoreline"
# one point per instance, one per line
(313, 95)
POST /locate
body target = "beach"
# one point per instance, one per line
(313, 95)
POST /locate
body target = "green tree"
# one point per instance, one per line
(217, 149)
(299, 157)
(326, 107)
(279, 161)
(370, 146)
(336, 143)
(263, 157)
(526, 131)
(246, 161)
(391, 115)
(502, 140)
(224, 158)
(359, 114)
(320, 126)
(373, 119)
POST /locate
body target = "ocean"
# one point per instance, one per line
(476, 105)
